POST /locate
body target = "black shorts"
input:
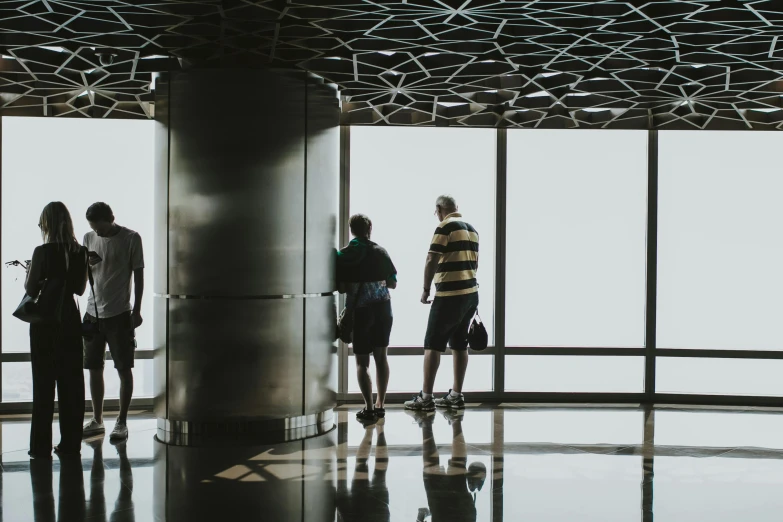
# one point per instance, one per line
(120, 335)
(372, 326)
(449, 322)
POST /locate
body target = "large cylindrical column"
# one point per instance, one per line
(246, 219)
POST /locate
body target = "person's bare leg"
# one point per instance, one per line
(363, 376)
(381, 375)
(431, 363)
(126, 393)
(460, 368)
(96, 392)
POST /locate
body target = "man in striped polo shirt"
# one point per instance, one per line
(452, 263)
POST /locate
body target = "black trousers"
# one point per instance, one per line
(56, 361)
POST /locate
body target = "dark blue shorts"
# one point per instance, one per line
(372, 326)
(449, 322)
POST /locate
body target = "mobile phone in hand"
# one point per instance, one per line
(94, 258)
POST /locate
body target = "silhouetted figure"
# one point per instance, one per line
(452, 263)
(368, 498)
(56, 348)
(365, 272)
(117, 257)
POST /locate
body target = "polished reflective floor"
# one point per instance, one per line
(498, 463)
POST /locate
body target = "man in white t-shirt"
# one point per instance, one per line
(116, 258)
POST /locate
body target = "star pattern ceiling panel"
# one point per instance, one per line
(705, 64)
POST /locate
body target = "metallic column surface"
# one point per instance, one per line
(246, 223)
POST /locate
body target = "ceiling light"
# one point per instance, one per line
(387, 53)
(771, 109)
(538, 94)
(596, 109)
(153, 57)
(451, 104)
(54, 48)
(430, 54)
(85, 92)
(550, 74)
(333, 58)
(7, 57)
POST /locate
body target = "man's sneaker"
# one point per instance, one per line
(93, 428)
(419, 403)
(119, 433)
(449, 401)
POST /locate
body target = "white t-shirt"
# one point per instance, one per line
(122, 254)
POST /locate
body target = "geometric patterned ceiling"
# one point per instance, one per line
(705, 64)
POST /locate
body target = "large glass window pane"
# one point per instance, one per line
(78, 162)
(720, 249)
(142, 380)
(576, 238)
(407, 372)
(572, 426)
(17, 382)
(396, 176)
(719, 430)
(719, 376)
(574, 374)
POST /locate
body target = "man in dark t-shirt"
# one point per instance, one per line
(366, 273)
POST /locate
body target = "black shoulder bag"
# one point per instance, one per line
(47, 306)
(346, 321)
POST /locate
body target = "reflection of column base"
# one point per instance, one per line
(186, 433)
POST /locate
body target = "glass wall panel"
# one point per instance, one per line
(407, 372)
(574, 374)
(718, 430)
(569, 426)
(719, 243)
(576, 238)
(396, 176)
(78, 162)
(142, 380)
(719, 376)
(17, 382)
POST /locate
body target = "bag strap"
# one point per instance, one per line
(92, 281)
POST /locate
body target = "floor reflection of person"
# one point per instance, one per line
(368, 498)
(452, 491)
(123, 506)
(71, 503)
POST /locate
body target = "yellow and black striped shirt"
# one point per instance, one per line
(458, 244)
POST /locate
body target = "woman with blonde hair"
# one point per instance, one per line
(56, 348)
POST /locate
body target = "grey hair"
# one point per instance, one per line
(447, 202)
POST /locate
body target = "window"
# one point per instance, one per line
(396, 176)
(407, 372)
(720, 249)
(576, 229)
(574, 374)
(719, 376)
(78, 162)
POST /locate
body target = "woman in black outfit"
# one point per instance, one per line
(56, 350)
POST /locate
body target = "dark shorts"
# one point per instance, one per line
(120, 335)
(371, 327)
(449, 322)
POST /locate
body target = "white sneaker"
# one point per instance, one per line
(119, 433)
(93, 428)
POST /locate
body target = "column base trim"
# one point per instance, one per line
(189, 433)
